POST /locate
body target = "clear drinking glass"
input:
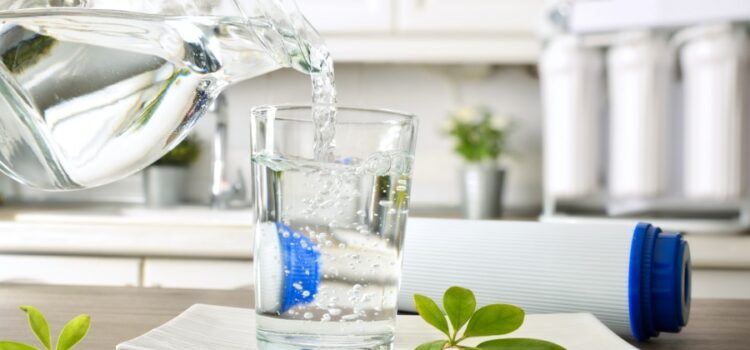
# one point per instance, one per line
(329, 233)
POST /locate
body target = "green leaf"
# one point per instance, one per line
(431, 313)
(11, 345)
(459, 304)
(433, 345)
(519, 344)
(494, 319)
(73, 332)
(39, 325)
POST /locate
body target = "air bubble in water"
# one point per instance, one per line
(385, 203)
(377, 164)
(401, 164)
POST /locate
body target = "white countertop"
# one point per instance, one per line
(128, 231)
(114, 214)
(204, 233)
(127, 240)
(720, 251)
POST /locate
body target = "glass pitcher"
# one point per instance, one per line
(92, 91)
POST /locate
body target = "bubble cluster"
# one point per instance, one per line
(353, 213)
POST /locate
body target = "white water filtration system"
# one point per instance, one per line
(638, 66)
(633, 277)
(572, 88)
(714, 62)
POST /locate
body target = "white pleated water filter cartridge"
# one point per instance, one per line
(572, 85)
(634, 278)
(639, 74)
(714, 65)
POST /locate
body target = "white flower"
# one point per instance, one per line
(500, 123)
(465, 115)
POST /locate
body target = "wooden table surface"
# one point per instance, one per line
(120, 314)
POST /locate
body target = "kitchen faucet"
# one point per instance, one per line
(222, 190)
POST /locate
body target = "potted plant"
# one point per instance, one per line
(480, 140)
(164, 180)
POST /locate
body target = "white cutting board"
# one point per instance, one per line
(204, 327)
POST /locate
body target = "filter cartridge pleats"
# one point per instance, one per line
(715, 89)
(572, 89)
(542, 267)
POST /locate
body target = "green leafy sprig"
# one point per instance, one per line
(495, 319)
(73, 332)
(479, 136)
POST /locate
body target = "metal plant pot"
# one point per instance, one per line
(482, 191)
(163, 185)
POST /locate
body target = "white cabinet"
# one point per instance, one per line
(197, 273)
(480, 17)
(348, 16)
(70, 270)
(428, 31)
(730, 284)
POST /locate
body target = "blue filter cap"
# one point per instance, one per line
(290, 274)
(658, 282)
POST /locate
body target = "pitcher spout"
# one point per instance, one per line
(290, 38)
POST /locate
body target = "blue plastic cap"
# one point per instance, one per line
(301, 262)
(659, 282)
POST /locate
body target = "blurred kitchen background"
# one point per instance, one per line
(616, 110)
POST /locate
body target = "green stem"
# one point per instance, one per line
(452, 338)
